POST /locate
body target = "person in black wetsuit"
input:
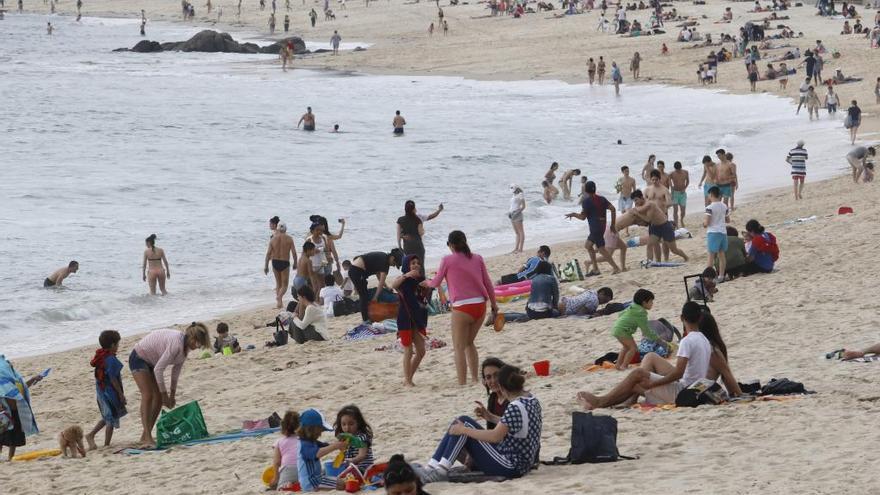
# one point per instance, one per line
(365, 266)
(410, 230)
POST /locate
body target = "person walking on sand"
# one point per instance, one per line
(149, 359)
(313, 16)
(286, 54)
(154, 258)
(334, 42)
(853, 120)
(634, 64)
(470, 288)
(272, 23)
(593, 210)
(680, 180)
(515, 214)
(281, 248)
(58, 276)
(307, 120)
(709, 177)
(797, 158)
(286, 23)
(600, 70)
(398, 123)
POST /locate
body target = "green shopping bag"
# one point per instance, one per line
(181, 425)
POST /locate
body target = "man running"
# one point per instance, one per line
(659, 227)
(594, 208)
(307, 120)
(280, 249)
(60, 274)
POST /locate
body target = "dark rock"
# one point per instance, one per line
(145, 46)
(360, 49)
(172, 46)
(322, 50)
(250, 48)
(299, 46)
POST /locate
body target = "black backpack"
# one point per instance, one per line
(593, 440)
(345, 306)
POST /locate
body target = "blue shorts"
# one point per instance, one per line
(398, 130)
(706, 187)
(137, 363)
(726, 190)
(716, 242)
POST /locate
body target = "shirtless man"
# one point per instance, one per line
(659, 226)
(709, 177)
(398, 123)
(735, 179)
(60, 274)
(307, 120)
(279, 251)
(724, 176)
(664, 177)
(566, 180)
(680, 180)
(600, 70)
(646, 170)
(656, 192)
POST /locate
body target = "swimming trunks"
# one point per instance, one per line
(706, 187)
(398, 130)
(726, 190)
(280, 265)
(664, 231)
(679, 198)
(476, 310)
(597, 235)
(308, 127)
(716, 242)
(48, 283)
(624, 203)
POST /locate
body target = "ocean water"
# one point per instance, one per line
(100, 149)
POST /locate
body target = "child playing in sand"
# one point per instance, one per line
(632, 318)
(715, 223)
(311, 450)
(704, 289)
(224, 340)
(412, 316)
(286, 453)
(350, 420)
(108, 387)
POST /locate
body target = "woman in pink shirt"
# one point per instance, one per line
(469, 289)
(148, 360)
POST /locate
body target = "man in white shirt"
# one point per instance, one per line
(802, 92)
(657, 379)
(329, 294)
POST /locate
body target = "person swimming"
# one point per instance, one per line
(398, 123)
(307, 120)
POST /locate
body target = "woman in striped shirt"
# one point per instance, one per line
(148, 360)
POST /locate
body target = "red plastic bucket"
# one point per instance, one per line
(542, 368)
(844, 210)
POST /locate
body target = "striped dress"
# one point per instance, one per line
(798, 160)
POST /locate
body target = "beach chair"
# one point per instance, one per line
(690, 286)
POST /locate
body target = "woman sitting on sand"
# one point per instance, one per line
(496, 404)
(310, 322)
(469, 289)
(718, 364)
(509, 450)
(762, 250)
(148, 360)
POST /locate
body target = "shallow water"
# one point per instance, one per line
(100, 149)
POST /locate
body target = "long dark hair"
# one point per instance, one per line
(511, 378)
(754, 227)
(490, 361)
(399, 472)
(151, 241)
(459, 244)
(409, 210)
(353, 411)
(709, 328)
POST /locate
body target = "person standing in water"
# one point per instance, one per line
(600, 70)
(154, 258)
(280, 249)
(49, 28)
(143, 23)
(334, 42)
(616, 77)
(307, 120)
(515, 214)
(398, 123)
(60, 274)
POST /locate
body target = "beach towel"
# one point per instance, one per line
(221, 438)
(365, 332)
(14, 388)
(660, 264)
(430, 343)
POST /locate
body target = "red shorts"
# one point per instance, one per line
(406, 336)
(476, 310)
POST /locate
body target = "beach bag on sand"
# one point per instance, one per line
(180, 425)
(345, 306)
(702, 392)
(593, 440)
(783, 386)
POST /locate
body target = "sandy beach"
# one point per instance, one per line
(777, 325)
